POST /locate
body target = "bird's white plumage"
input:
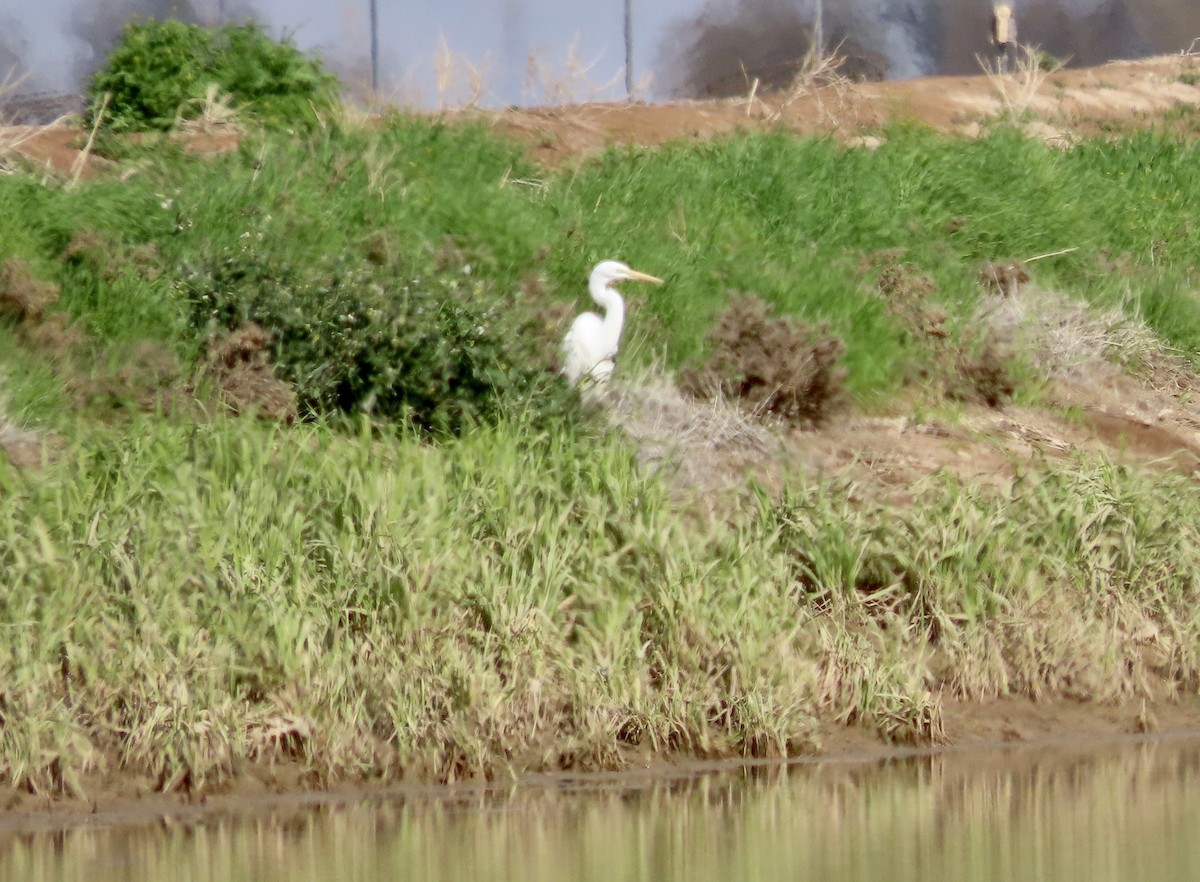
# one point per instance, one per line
(590, 346)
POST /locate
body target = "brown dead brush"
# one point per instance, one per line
(705, 447)
(820, 72)
(148, 377)
(570, 81)
(108, 257)
(23, 296)
(908, 294)
(966, 368)
(1018, 91)
(1003, 277)
(93, 249)
(54, 338)
(215, 112)
(771, 365)
(983, 373)
(240, 366)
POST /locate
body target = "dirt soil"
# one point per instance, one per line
(1063, 105)
(1148, 420)
(1058, 106)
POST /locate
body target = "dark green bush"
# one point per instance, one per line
(161, 70)
(355, 338)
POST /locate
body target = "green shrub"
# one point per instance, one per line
(160, 71)
(431, 352)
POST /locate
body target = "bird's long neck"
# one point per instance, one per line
(614, 311)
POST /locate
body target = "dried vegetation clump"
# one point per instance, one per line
(772, 365)
(54, 338)
(984, 374)
(147, 377)
(240, 365)
(23, 296)
(1003, 277)
(972, 366)
(701, 445)
(908, 294)
(105, 255)
(24, 299)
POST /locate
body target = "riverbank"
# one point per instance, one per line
(291, 490)
(982, 730)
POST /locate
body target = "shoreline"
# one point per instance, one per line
(1001, 725)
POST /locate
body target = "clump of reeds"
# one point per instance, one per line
(187, 599)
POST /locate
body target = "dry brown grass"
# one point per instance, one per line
(239, 364)
(971, 365)
(1018, 89)
(54, 338)
(81, 161)
(818, 75)
(23, 296)
(770, 364)
(569, 82)
(145, 377)
(461, 84)
(908, 294)
(13, 137)
(22, 446)
(217, 114)
(1003, 277)
(703, 444)
(1070, 340)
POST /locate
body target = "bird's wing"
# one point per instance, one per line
(582, 351)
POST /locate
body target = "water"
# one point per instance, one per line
(1116, 812)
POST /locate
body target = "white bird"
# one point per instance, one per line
(590, 347)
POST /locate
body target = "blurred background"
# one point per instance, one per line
(433, 53)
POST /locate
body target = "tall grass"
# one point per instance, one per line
(183, 599)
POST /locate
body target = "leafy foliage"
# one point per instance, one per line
(354, 338)
(160, 71)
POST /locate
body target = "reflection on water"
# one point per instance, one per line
(1117, 813)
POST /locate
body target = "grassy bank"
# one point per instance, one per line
(188, 592)
(805, 224)
(182, 600)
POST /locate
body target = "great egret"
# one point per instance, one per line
(590, 347)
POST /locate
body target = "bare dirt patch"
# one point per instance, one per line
(1067, 104)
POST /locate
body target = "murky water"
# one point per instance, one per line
(1119, 812)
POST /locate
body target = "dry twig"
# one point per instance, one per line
(1018, 89)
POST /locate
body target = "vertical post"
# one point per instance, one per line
(374, 45)
(220, 12)
(629, 49)
(819, 29)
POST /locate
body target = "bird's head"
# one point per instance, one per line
(608, 272)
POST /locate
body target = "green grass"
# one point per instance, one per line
(183, 598)
(788, 219)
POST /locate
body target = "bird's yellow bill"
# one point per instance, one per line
(644, 277)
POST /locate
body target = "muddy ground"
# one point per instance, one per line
(122, 800)
(1146, 417)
